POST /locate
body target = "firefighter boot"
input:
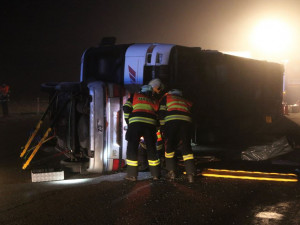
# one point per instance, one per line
(132, 172)
(155, 172)
(170, 166)
(190, 170)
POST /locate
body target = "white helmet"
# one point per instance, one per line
(175, 92)
(157, 85)
(146, 88)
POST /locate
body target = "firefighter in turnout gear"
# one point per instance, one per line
(175, 119)
(4, 98)
(158, 90)
(140, 113)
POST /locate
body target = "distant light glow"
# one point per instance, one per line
(272, 36)
(240, 54)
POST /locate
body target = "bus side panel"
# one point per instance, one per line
(116, 145)
(97, 127)
(231, 95)
(113, 126)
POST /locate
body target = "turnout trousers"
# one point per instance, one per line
(4, 108)
(178, 137)
(135, 131)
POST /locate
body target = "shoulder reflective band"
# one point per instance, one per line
(128, 104)
(178, 117)
(142, 106)
(188, 157)
(178, 107)
(132, 163)
(169, 155)
(175, 102)
(153, 162)
(126, 115)
(142, 119)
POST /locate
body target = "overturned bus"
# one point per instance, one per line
(233, 98)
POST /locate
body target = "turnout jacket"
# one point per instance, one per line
(141, 108)
(174, 107)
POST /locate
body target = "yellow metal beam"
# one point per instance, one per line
(38, 126)
(251, 172)
(249, 177)
(48, 139)
(36, 148)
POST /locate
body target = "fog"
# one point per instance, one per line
(43, 41)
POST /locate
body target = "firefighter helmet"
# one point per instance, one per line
(157, 85)
(146, 89)
(175, 92)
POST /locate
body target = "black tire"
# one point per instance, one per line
(49, 86)
(68, 86)
(60, 86)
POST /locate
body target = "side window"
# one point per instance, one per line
(105, 68)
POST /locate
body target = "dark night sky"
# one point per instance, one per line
(43, 41)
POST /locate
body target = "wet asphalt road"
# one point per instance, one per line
(108, 199)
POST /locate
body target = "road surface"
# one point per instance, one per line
(108, 199)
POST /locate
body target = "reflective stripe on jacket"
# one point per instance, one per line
(141, 108)
(173, 107)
